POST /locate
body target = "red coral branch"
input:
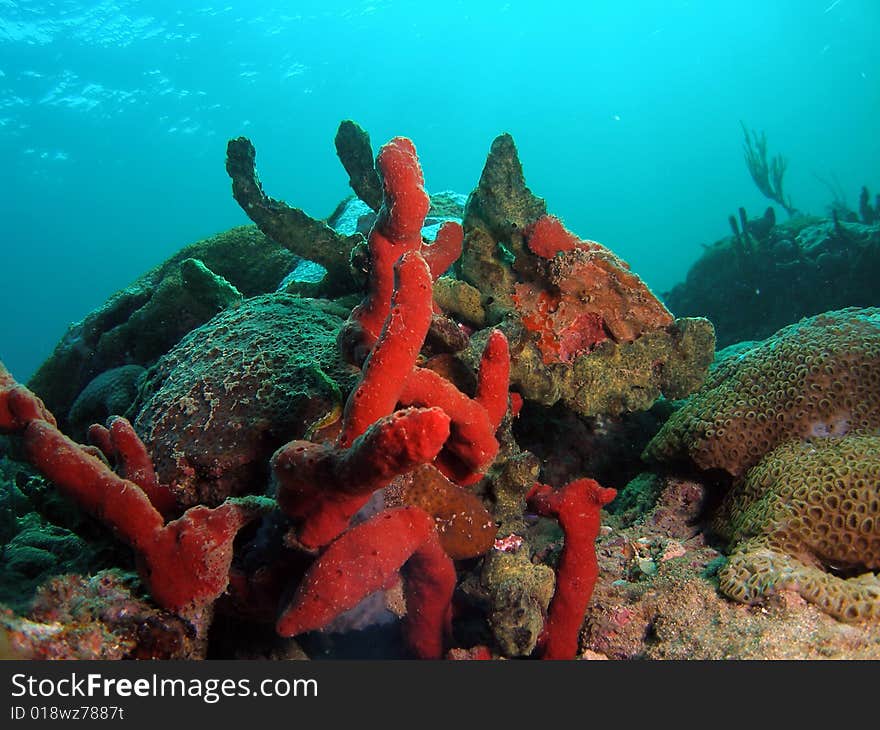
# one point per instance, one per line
(322, 486)
(18, 405)
(394, 355)
(394, 540)
(120, 443)
(577, 506)
(184, 563)
(445, 249)
(493, 378)
(398, 230)
(472, 445)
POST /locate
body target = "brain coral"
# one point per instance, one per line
(807, 518)
(213, 410)
(817, 378)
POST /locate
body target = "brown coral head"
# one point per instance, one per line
(465, 527)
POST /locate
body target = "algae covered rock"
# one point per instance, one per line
(497, 210)
(295, 230)
(520, 593)
(212, 411)
(109, 394)
(38, 551)
(98, 617)
(750, 286)
(43, 534)
(613, 378)
(141, 322)
(583, 329)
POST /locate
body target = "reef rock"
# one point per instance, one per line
(140, 323)
(215, 408)
(583, 328)
(779, 275)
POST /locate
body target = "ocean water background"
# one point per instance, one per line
(114, 117)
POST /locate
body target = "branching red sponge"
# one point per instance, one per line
(394, 354)
(398, 230)
(364, 560)
(493, 378)
(445, 249)
(18, 405)
(322, 486)
(472, 445)
(577, 506)
(119, 443)
(185, 563)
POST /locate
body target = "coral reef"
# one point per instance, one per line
(518, 593)
(112, 392)
(465, 527)
(37, 551)
(815, 378)
(433, 439)
(806, 519)
(397, 231)
(795, 269)
(397, 540)
(323, 485)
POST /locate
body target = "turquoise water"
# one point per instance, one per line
(114, 118)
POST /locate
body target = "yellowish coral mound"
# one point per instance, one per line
(817, 378)
(807, 519)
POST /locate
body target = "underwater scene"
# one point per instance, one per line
(473, 330)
